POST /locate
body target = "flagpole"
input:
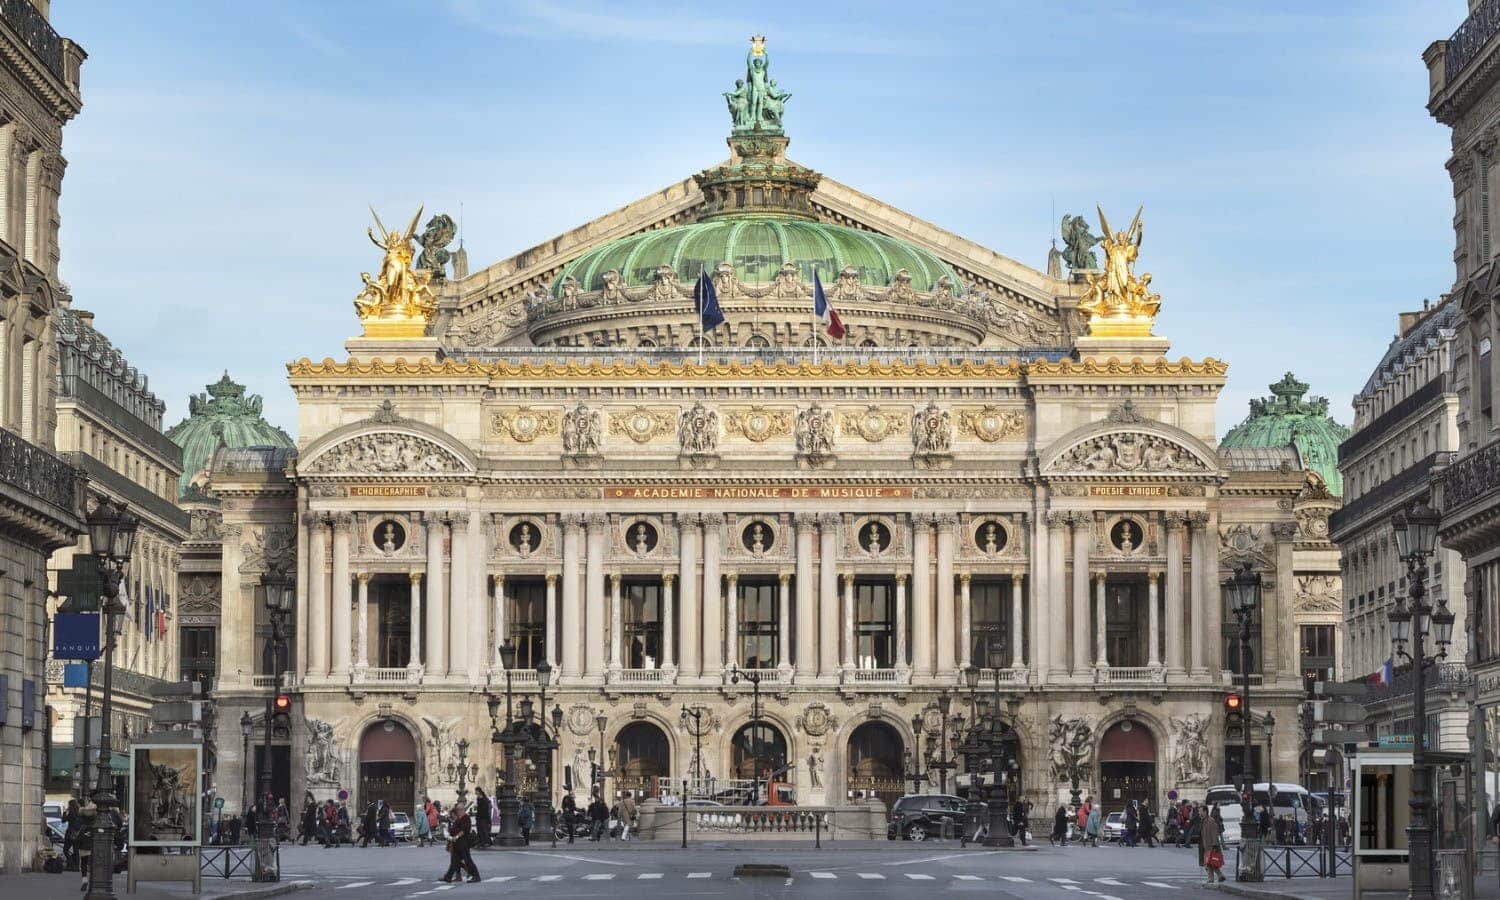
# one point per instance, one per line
(813, 321)
(698, 307)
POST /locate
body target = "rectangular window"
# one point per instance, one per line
(1485, 388)
(526, 620)
(1125, 619)
(874, 624)
(642, 625)
(28, 389)
(196, 646)
(989, 612)
(758, 600)
(1317, 654)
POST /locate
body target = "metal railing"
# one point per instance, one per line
(233, 862)
(41, 38)
(38, 472)
(1471, 477)
(1302, 861)
(1413, 478)
(766, 355)
(1476, 31)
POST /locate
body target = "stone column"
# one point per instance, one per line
(713, 597)
(687, 577)
(828, 595)
(1199, 635)
(497, 616)
(732, 621)
(1082, 540)
(1101, 636)
(303, 614)
(477, 595)
(1176, 636)
(460, 621)
(414, 655)
(921, 594)
(1017, 618)
(946, 631)
(1153, 641)
(616, 622)
(784, 623)
(901, 663)
(1213, 595)
(571, 626)
(846, 660)
(668, 624)
(1280, 657)
(362, 636)
(807, 632)
(593, 595)
(1052, 610)
(317, 594)
(342, 524)
(965, 623)
(552, 620)
(437, 597)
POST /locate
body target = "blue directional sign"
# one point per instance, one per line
(76, 675)
(75, 636)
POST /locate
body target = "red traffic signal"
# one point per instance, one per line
(282, 704)
(1234, 704)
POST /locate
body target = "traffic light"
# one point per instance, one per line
(1234, 706)
(281, 707)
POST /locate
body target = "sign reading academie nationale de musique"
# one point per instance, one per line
(754, 492)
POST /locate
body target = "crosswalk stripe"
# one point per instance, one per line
(699, 874)
(500, 878)
(403, 882)
(968, 877)
(872, 876)
(647, 876)
(1170, 887)
(822, 874)
(547, 878)
(353, 884)
(599, 876)
(1016, 878)
(1071, 887)
(917, 876)
(1110, 881)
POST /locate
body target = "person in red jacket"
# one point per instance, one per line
(460, 831)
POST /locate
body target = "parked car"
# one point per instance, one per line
(1232, 814)
(400, 826)
(917, 817)
(1114, 827)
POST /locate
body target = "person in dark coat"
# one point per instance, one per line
(1018, 821)
(383, 819)
(598, 818)
(570, 814)
(367, 824)
(1209, 839)
(1147, 827)
(483, 812)
(309, 818)
(1060, 827)
(460, 836)
(1132, 824)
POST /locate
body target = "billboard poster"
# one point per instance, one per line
(165, 811)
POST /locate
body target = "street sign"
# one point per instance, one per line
(80, 584)
(1339, 736)
(1340, 689)
(176, 712)
(75, 635)
(1340, 711)
(76, 675)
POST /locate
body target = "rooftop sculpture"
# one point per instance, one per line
(1119, 303)
(756, 103)
(398, 302)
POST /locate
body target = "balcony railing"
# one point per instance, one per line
(518, 677)
(1413, 478)
(1476, 31)
(1130, 675)
(29, 468)
(639, 676)
(767, 676)
(1006, 676)
(1232, 680)
(872, 676)
(767, 355)
(40, 37)
(268, 682)
(1471, 477)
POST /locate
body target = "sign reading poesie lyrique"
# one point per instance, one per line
(754, 492)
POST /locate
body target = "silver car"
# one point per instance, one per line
(401, 826)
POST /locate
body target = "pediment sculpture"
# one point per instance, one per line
(1130, 451)
(1071, 743)
(387, 452)
(1191, 762)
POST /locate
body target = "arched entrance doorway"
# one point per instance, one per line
(875, 764)
(760, 742)
(388, 767)
(1127, 766)
(641, 756)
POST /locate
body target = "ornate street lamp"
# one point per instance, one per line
(247, 727)
(973, 752)
(753, 676)
(1268, 725)
(1416, 540)
(601, 722)
(696, 714)
(111, 538)
(940, 759)
(279, 594)
(463, 773)
(1243, 589)
(512, 739)
(544, 744)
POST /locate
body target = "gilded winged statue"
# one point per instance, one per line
(1118, 294)
(399, 291)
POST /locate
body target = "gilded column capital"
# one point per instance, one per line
(666, 578)
(1153, 575)
(805, 520)
(1176, 520)
(1018, 574)
(499, 578)
(713, 519)
(614, 581)
(783, 577)
(416, 577)
(900, 579)
(733, 579)
(551, 578)
(964, 578)
(1100, 575)
(362, 576)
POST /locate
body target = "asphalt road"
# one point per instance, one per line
(659, 869)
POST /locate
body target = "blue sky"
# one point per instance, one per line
(214, 208)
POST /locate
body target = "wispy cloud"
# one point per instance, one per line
(318, 41)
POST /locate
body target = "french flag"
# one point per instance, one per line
(824, 310)
(1384, 673)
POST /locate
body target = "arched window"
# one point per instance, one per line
(759, 741)
(642, 755)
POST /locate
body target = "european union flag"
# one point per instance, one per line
(706, 302)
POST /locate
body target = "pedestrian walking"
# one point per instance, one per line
(383, 825)
(528, 819)
(1132, 824)
(1018, 821)
(1091, 829)
(309, 818)
(570, 814)
(421, 824)
(598, 818)
(1147, 826)
(627, 814)
(1060, 826)
(460, 840)
(1082, 819)
(1210, 848)
(367, 823)
(482, 815)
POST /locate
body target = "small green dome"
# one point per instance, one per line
(757, 247)
(1285, 418)
(222, 417)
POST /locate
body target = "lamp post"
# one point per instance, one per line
(279, 593)
(463, 773)
(973, 751)
(545, 743)
(1243, 588)
(247, 725)
(1268, 725)
(1002, 763)
(912, 762)
(1411, 622)
(601, 722)
(510, 739)
(111, 537)
(753, 676)
(696, 714)
(940, 759)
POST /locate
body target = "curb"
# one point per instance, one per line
(277, 891)
(1230, 887)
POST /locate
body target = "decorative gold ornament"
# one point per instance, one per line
(1119, 303)
(642, 424)
(524, 424)
(991, 423)
(875, 424)
(756, 423)
(399, 302)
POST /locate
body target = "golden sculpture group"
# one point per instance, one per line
(1119, 303)
(398, 302)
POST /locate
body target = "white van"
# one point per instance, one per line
(1260, 795)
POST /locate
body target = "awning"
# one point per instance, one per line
(64, 760)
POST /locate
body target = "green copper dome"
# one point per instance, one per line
(757, 246)
(222, 417)
(1285, 418)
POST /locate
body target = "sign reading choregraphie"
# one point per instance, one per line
(165, 811)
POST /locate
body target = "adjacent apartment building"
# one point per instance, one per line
(39, 492)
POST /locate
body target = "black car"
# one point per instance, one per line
(917, 817)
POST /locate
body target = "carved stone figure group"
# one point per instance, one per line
(582, 430)
(380, 453)
(815, 431)
(1130, 452)
(698, 430)
(932, 431)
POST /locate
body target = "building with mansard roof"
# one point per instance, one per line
(990, 467)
